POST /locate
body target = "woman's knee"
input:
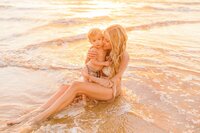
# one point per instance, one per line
(75, 83)
(75, 86)
(64, 87)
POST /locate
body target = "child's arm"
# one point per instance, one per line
(100, 63)
(91, 54)
(90, 51)
(107, 62)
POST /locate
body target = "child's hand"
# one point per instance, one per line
(91, 54)
(93, 61)
(108, 58)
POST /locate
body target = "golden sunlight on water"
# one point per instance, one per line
(43, 45)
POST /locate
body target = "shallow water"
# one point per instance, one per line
(43, 45)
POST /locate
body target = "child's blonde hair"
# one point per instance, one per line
(94, 32)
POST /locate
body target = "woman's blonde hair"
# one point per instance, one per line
(118, 38)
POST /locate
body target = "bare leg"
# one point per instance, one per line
(99, 93)
(85, 80)
(60, 92)
(46, 105)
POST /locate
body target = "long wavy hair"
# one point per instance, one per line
(118, 38)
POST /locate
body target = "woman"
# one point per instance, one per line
(115, 39)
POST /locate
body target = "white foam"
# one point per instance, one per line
(72, 111)
(56, 128)
(76, 130)
(2, 64)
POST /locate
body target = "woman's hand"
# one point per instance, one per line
(115, 79)
(108, 63)
(91, 54)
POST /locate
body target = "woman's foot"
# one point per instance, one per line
(13, 122)
(24, 117)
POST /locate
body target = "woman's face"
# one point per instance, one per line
(106, 42)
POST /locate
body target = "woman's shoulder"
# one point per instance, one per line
(126, 55)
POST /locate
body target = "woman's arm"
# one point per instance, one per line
(91, 55)
(100, 63)
(87, 59)
(123, 65)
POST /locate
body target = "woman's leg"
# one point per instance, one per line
(52, 99)
(89, 89)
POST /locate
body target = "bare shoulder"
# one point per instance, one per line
(126, 55)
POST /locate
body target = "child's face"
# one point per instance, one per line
(97, 41)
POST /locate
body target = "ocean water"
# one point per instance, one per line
(43, 44)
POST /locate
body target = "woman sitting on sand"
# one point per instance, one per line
(114, 41)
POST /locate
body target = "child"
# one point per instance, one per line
(94, 66)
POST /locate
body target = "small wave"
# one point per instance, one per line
(79, 37)
(161, 24)
(20, 19)
(178, 9)
(67, 21)
(21, 8)
(58, 41)
(22, 58)
(5, 6)
(182, 3)
(59, 22)
(72, 21)
(72, 111)
(57, 128)
(41, 67)
(13, 36)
